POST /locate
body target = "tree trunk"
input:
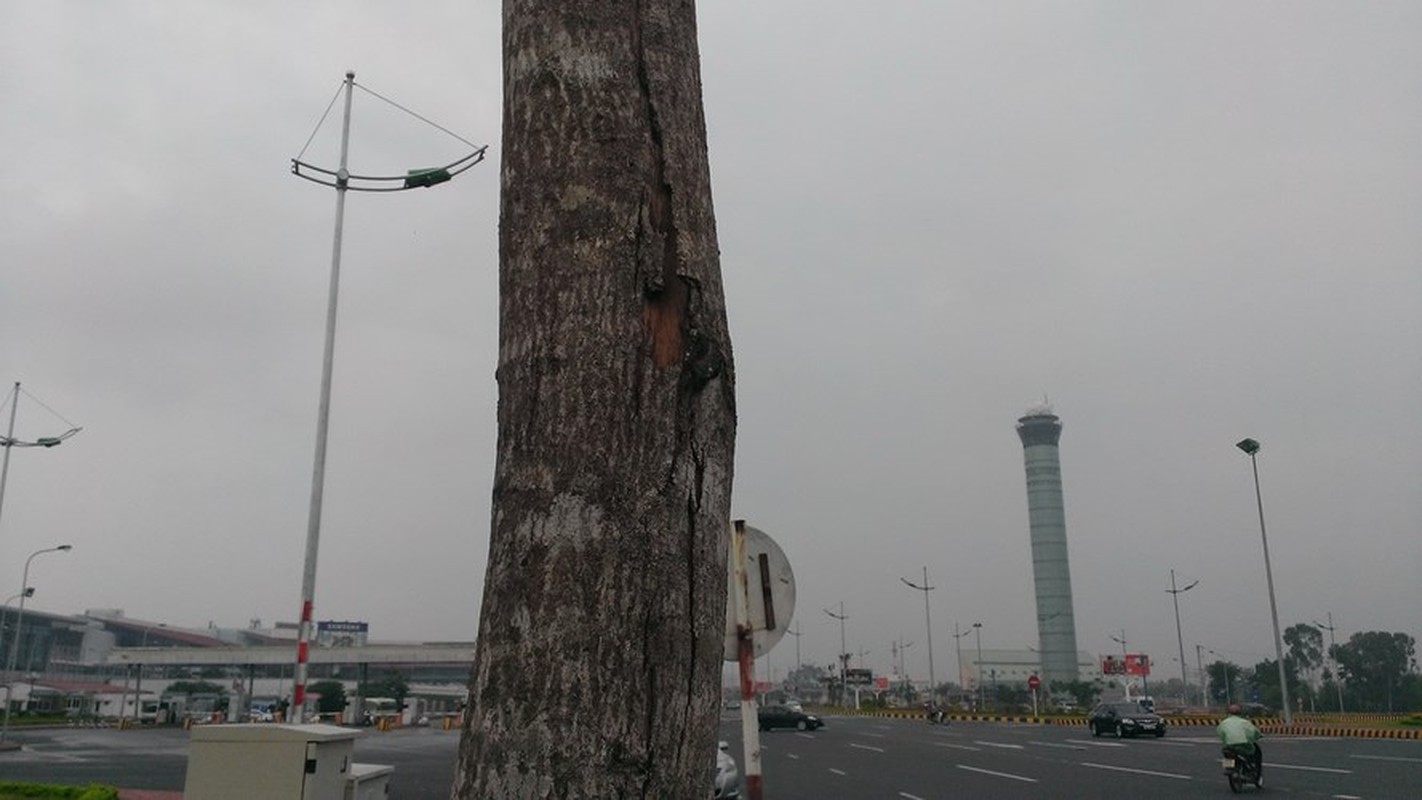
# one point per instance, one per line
(598, 664)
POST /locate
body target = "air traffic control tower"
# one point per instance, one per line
(1040, 430)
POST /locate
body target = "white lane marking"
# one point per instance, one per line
(839, 771)
(1055, 744)
(1095, 743)
(792, 755)
(958, 746)
(1174, 744)
(876, 735)
(910, 796)
(1347, 797)
(1136, 771)
(866, 747)
(805, 735)
(996, 774)
(1310, 769)
(998, 744)
(1390, 758)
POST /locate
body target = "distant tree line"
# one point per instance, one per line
(1374, 671)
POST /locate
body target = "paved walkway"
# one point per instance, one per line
(148, 794)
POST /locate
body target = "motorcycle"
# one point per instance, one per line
(1239, 770)
(937, 716)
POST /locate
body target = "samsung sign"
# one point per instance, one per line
(330, 633)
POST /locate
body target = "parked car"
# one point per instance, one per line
(727, 783)
(1256, 710)
(782, 716)
(1125, 719)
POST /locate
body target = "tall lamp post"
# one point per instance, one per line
(797, 635)
(1126, 681)
(926, 588)
(19, 625)
(1204, 687)
(958, 645)
(342, 181)
(1337, 676)
(978, 673)
(1251, 447)
(1224, 670)
(1179, 638)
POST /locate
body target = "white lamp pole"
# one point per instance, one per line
(19, 625)
(1179, 638)
(1251, 447)
(926, 588)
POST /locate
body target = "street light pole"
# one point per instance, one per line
(1224, 670)
(1204, 687)
(1126, 681)
(1179, 638)
(843, 649)
(1337, 676)
(342, 181)
(1251, 447)
(797, 635)
(958, 645)
(978, 673)
(19, 626)
(928, 621)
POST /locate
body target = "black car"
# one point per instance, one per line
(782, 716)
(1125, 719)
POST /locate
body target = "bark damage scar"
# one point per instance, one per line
(670, 295)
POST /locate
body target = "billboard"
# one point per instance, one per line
(1137, 664)
(1127, 664)
(859, 677)
(332, 633)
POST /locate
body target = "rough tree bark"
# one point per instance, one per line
(598, 664)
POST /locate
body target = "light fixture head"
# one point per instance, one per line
(1249, 446)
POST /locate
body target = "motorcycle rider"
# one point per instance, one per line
(933, 712)
(1241, 738)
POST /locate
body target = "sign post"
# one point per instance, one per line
(1033, 683)
(756, 622)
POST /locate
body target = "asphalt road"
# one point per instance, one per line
(868, 757)
(852, 757)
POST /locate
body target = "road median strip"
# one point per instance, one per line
(1269, 725)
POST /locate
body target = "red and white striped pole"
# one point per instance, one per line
(745, 657)
(323, 418)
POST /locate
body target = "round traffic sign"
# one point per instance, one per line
(770, 594)
(1033, 682)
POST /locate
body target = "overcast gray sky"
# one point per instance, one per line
(1184, 224)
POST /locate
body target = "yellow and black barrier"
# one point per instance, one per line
(1270, 725)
